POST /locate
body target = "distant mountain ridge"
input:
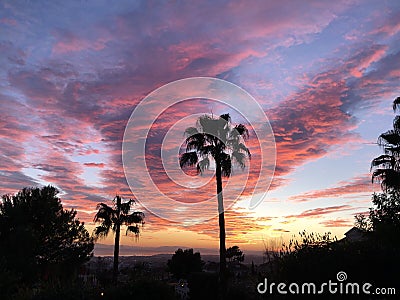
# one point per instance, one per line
(208, 254)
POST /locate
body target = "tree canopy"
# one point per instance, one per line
(185, 262)
(234, 254)
(39, 237)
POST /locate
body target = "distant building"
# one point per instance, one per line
(355, 235)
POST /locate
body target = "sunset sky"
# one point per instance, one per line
(325, 74)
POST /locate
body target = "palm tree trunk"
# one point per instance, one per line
(116, 241)
(116, 254)
(222, 236)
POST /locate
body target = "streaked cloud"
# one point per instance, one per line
(361, 184)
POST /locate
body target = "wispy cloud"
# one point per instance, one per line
(318, 212)
(360, 184)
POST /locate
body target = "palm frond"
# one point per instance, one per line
(188, 159)
(126, 206)
(396, 103)
(235, 145)
(226, 117)
(207, 150)
(210, 139)
(203, 165)
(389, 178)
(134, 229)
(209, 125)
(205, 122)
(101, 231)
(239, 158)
(226, 165)
(223, 127)
(133, 218)
(195, 142)
(191, 131)
(104, 206)
(386, 161)
(243, 148)
(388, 138)
(104, 214)
(242, 130)
(393, 150)
(396, 124)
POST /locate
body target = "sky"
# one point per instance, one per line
(323, 72)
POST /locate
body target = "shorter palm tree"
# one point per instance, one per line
(112, 218)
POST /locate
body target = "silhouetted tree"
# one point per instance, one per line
(234, 254)
(384, 217)
(383, 222)
(112, 218)
(39, 237)
(304, 255)
(387, 210)
(185, 262)
(216, 138)
(317, 258)
(387, 166)
(362, 222)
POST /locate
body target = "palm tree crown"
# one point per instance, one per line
(217, 139)
(387, 166)
(112, 217)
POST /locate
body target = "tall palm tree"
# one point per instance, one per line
(216, 138)
(387, 166)
(113, 217)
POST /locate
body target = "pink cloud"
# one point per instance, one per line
(365, 61)
(360, 184)
(8, 21)
(95, 165)
(69, 42)
(390, 25)
(338, 222)
(318, 212)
